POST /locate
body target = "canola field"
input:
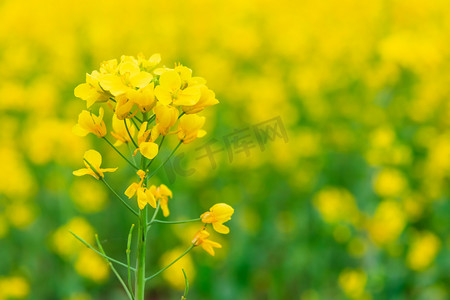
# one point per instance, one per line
(331, 141)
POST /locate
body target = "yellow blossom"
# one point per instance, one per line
(162, 193)
(120, 131)
(353, 283)
(207, 98)
(217, 215)
(91, 91)
(144, 98)
(146, 138)
(93, 159)
(129, 77)
(202, 239)
(14, 288)
(423, 251)
(189, 128)
(166, 116)
(144, 195)
(90, 265)
(148, 64)
(123, 107)
(90, 123)
(171, 89)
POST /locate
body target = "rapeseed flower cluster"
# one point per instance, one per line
(147, 103)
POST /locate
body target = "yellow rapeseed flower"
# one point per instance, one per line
(172, 89)
(166, 117)
(144, 195)
(90, 123)
(146, 139)
(202, 239)
(207, 98)
(217, 215)
(423, 251)
(93, 159)
(189, 128)
(91, 91)
(162, 194)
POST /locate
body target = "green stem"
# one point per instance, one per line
(166, 267)
(173, 222)
(129, 133)
(101, 254)
(128, 251)
(141, 245)
(167, 159)
(154, 215)
(131, 164)
(121, 199)
(99, 245)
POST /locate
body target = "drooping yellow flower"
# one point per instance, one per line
(189, 128)
(207, 98)
(91, 91)
(217, 215)
(120, 131)
(90, 123)
(172, 89)
(166, 117)
(162, 193)
(94, 159)
(147, 147)
(144, 98)
(144, 195)
(202, 239)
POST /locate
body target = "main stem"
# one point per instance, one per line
(141, 243)
(140, 263)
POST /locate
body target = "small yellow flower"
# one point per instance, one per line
(90, 123)
(162, 193)
(123, 107)
(190, 128)
(144, 98)
(94, 159)
(172, 89)
(147, 147)
(166, 117)
(148, 64)
(217, 215)
(207, 98)
(91, 91)
(120, 131)
(202, 238)
(144, 195)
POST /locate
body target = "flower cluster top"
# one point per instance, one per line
(136, 84)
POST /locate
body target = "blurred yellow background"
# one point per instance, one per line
(349, 202)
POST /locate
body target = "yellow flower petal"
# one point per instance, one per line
(149, 149)
(164, 96)
(189, 96)
(170, 81)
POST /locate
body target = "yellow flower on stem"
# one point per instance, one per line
(93, 161)
(144, 196)
(162, 194)
(166, 117)
(90, 123)
(202, 239)
(91, 91)
(171, 88)
(120, 131)
(147, 147)
(217, 215)
(190, 128)
(208, 98)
